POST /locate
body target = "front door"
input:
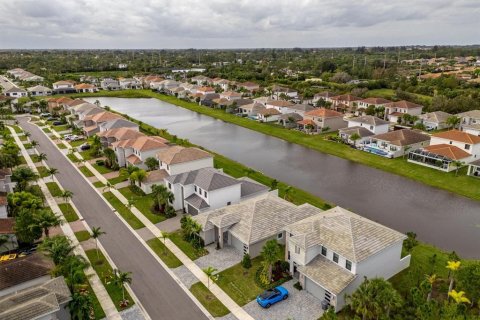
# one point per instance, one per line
(225, 237)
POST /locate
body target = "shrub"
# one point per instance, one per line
(246, 261)
(170, 212)
(260, 280)
(298, 286)
(100, 162)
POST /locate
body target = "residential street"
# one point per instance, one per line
(159, 293)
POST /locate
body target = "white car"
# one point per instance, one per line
(76, 138)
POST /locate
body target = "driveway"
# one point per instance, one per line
(159, 293)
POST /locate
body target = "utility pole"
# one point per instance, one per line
(384, 61)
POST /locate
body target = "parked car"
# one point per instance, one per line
(45, 114)
(272, 296)
(76, 138)
(52, 118)
(57, 123)
(67, 136)
(84, 147)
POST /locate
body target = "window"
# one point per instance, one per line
(467, 147)
(195, 187)
(348, 265)
(371, 127)
(280, 236)
(169, 185)
(324, 251)
(229, 203)
(297, 249)
(450, 142)
(335, 257)
(168, 167)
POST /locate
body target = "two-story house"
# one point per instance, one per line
(39, 91)
(345, 99)
(331, 252)
(375, 102)
(117, 124)
(16, 92)
(470, 122)
(394, 111)
(113, 135)
(364, 127)
(434, 120)
(325, 120)
(110, 84)
(134, 152)
(91, 123)
(447, 150)
(64, 87)
(397, 143)
(86, 88)
(230, 95)
(279, 92)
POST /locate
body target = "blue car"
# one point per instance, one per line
(272, 296)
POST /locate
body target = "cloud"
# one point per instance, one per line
(240, 23)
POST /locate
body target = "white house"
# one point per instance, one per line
(110, 84)
(246, 226)
(397, 143)
(177, 159)
(64, 86)
(251, 109)
(375, 102)
(113, 135)
(135, 151)
(117, 124)
(470, 122)
(460, 139)
(434, 120)
(39, 91)
(279, 105)
(129, 83)
(86, 88)
(208, 189)
(230, 95)
(371, 123)
(16, 92)
(278, 92)
(91, 123)
(395, 110)
(268, 115)
(331, 252)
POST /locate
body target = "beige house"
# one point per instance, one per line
(395, 144)
(395, 110)
(325, 120)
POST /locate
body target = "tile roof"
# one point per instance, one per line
(24, 269)
(196, 201)
(302, 107)
(293, 115)
(361, 131)
(256, 219)
(250, 187)
(402, 137)
(121, 133)
(253, 107)
(84, 86)
(64, 82)
(327, 274)
(103, 116)
(456, 135)
(269, 112)
(471, 114)
(307, 122)
(118, 123)
(35, 302)
(280, 103)
(344, 232)
(436, 116)
(156, 176)
(145, 143)
(133, 159)
(403, 104)
(324, 113)
(375, 101)
(208, 179)
(346, 97)
(447, 150)
(370, 120)
(475, 163)
(178, 154)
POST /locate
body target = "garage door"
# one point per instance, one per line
(314, 289)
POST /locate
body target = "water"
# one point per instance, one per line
(444, 219)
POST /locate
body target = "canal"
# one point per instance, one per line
(446, 220)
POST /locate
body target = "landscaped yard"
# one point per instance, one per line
(61, 146)
(83, 235)
(239, 283)
(46, 130)
(102, 169)
(35, 158)
(208, 300)
(77, 143)
(42, 171)
(21, 160)
(97, 307)
(87, 155)
(105, 272)
(142, 203)
(17, 129)
(185, 246)
(123, 211)
(54, 189)
(68, 212)
(61, 128)
(86, 172)
(163, 253)
(23, 138)
(98, 184)
(72, 157)
(122, 177)
(27, 146)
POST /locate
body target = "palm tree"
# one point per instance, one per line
(431, 281)
(51, 172)
(42, 157)
(270, 252)
(96, 233)
(453, 121)
(111, 158)
(140, 176)
(73, 266)
(80, 306)
(151, 163)
(58, 248)
(46, 219)
(121, 278)
(453, 266)
(34, 143)
(108, 186)
(287, 192)
(67, 195)
(274, 184)
(130, 203)
(22, 176)
(457, 164)
(211, 275)
(165, 235)
(162, 196)
(355, 137)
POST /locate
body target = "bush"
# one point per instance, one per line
(298, 286)
(100, 162)
(170, 212)
(246, 261)
(261, 284)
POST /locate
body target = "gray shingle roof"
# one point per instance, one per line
(346, 233)
(208, 179)
(118, 123)
(370, 120)
(250, 187)
(196, 201)
(361, 131)
(436, 116)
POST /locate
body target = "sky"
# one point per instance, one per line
(167, 24)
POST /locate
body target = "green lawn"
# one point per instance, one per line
(72, 157)
(17, 129)
(27, 146)
(83, 235)
(97, 307)
(77, 143)
(123, 211)
(61, 128)
(208, 300)
(122, 177)
(164, 253)
(98, 184)
(54, 189)
(186, 247)
(22, 160)
(105, 272)
(239, 283)
(46, 130)
(35, 158)
(87, 155)
(42, 171)
(61, 146)
(102, 169)
(86, 172)
(68, 212)
(23, 138)
(142, 203)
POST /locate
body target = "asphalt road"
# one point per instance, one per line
(161, 296)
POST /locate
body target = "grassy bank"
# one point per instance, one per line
(463, 185)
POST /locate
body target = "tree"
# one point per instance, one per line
(3, 241)
(165, 235)
(329, 315)
(51, 172)
(23, 200)
(34, 143)
(108, 186)
(355, 137)
(23, 176)
(151, 163)
(46, 219)
(25, 228)
(96, 233)
(270, 252)
(453, 266)
(211, 275)
(246, 261)
(72, 267)
(140, 176)
(468, 279)
(67, 195)
(122, 278)
(58, 248)
(42, 157)
(457, 164)
(162, 197)
(453, 121)
(111, 158)
(274, 184)
(287, 192)
(80, 306)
